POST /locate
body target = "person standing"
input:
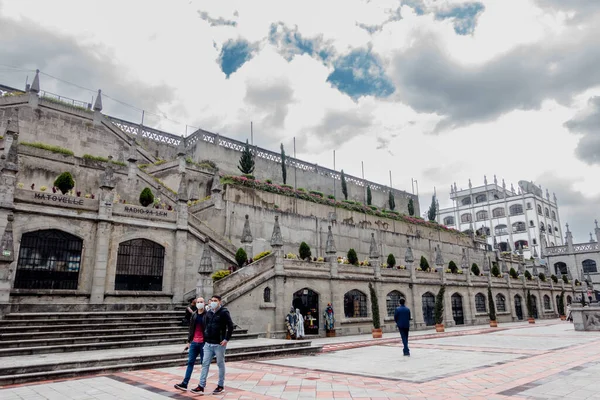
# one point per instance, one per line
(217, 333)
(402, 318)
(195, 342)
(189, 310)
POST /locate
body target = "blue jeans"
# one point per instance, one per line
(195, 349)
(213, 350)
(404, 336)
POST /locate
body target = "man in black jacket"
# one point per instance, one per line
(218, 329)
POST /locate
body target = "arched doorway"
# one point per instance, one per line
(457, 309)
(560, 268)
(428, 308)
(307, 301)
(534, 308)
(140, 265)
(519, 307)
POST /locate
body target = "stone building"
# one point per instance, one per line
(95, 247)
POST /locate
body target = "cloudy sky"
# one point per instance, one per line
(434, 90)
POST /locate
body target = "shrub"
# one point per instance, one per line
(527, 275)
(301, 190)
(452, 266)
(352, 257)
(496, 271)
(565, 279)
(374, 208)
(250, 176)
(374, 307)
(513, 273)
(304, 251)
(218, 275)
(554, 278)
(391, 260)
(411, 207)
(561, 303)
(241, 257)
(423, 263)
(64, 182)
(491, 304)
(49, 147)
(269, 181)
(331, 197)
(246, 160)
(316, 193)
(577, 283)
(439, 306)
(369, 196)
(475, 269)
(529, 305)
(261, 255)
(344, 186)
(146, 197)
(287, 186)
(542, 277)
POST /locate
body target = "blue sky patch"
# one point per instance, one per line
(464, 16)
(360, 73)
(290, 43)
(234, 54)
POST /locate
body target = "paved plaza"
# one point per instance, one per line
(548, 360)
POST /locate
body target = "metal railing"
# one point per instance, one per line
(65, 100)
(146, 132)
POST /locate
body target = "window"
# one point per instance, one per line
(503, 246)
(498, 212)
(48, 259)
(531, 223)
(355, 304)
(589, 266)
(539, 209)
(481, 215)
(519, 227)
(428, 301)
(484, 230)
(560, 268)
(392, 301)
(466, 201)
(553, 215)
(520, 243)
(140, 264)
(515, 209)
(449, 221)
(542, 227)
(534, 241)
(501, 229)
(465, 218)
(555, 229)
(547, 212)
(267, 295)
(547, 303)
(480, 303)
(529, 206)
(480, 198)
(550, 229)
(500, 303)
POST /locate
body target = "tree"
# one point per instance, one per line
(283, 166)
(529, 304)
(64, 182)
(352, 257)
(304, 251)
(432, 212)
(528, 275)
(391, 201)
(411, 207)
(496, 271)
(561, 303)
(565, 279)
(241, 257)
(491, 304)
(452, 266)
(391, 260)
(475, 269)
(439, 306)
(374, 307)
(542, 276)
(369, 196)
(423, 263)
(513, 273)
(344, 186)
(146, 197)
(246, 161)
(554, 278)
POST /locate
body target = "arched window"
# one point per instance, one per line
(48, 259)
(539, 209)
(589, 266)
(480, 303)
(392, 301)
(519, 227)
(547, 212)
(498, 212)
(542, 227)
(481, 215)
(501, 229)
(140, 264)
(560, 268)
(355, 304)
(500, 303)
(503, 246)
(550, 229)
(554, 215)
(428, 301)
(466, 201)
(515, 209)
(528, 205)
(480, 198)
(555, 229)
(531, 223)
(547, 303)
(267, 295)
(465, 218)
(449, 221)
(519, 307)
(523, 243)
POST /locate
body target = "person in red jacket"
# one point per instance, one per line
(195, 342)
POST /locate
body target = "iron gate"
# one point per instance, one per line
(140, 264)
(518, 307)
(457, 309)
(307, 301)
(428, 308)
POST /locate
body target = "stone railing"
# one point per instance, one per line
(146, 132)
(586, 247)
(556, 250)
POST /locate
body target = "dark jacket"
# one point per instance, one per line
(218, 326)
(402, 317)
(192, 327)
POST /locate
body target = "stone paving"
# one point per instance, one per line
(548, 360)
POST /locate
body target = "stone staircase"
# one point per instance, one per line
(36, 346)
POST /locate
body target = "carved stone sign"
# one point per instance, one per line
(130, 210)
(55, 199)
(146, 211)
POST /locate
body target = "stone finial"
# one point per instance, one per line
(463, 261)
(495, 180)
(6, 242)
(439, 259)
(485, 179)
(11, 161)
(512, 188)
(182, 192)
(451, 189)
(107, 180)
(470, 185)
(568, 231)
(408, 256)
(554, 197)
(216, 183)
(508, 248)
(276, 237)
(98, 102)
(547, 194)
(181, 147)
(35, 85)
(373, 248)
(521, 248)
(535, 253)
(206, 259)
(455, 187)
(330, 245)
(503, 184)
(246, 233)
(591, 238)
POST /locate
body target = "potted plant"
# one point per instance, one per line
(439, 310)
(475, 269)
(375, 312)
(561, 306)
(531, 320)
(304, 251)
(492, 306)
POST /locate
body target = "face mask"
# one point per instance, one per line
(214, 305)
(200, 305)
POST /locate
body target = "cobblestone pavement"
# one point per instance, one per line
(544, 361)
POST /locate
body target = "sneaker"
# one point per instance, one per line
(198, 390)
(219, 390)
(181, 386)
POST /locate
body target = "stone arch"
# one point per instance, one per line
(428, 301)
(500, 303)
(307, 301)
(392, 300)
(480, 305)
(140, 265)
(589, 266)
(458, 315)
(267, 295)
(355, 304)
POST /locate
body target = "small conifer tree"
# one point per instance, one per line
(391, 201)
(283, 166)
(352, 257)
(64, 182)
(374, 307)
(423, 263)
(432, 212)
(411, 207)
(452, 266)
(491, 304)
(369, 196)
(246, 160)
(439, 306)
(475, 269)
(241, 257)
(344, 186)
(304, 251)
(146, 197)
(391, 260)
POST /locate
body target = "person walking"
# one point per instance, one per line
(195, 343)
(217, 333)
(402, 318)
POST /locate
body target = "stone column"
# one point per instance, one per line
(204, 285)
(180, 255)
(7, 257)
(34, 90)
(409, 259)
(216, 191)
(181, 156)
(374, 257)
(132, 159)
(330, 252)
(439, 263)
(281, 306)
(247, 239)
(464, 265)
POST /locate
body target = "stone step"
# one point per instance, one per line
(93, 314)
(74, 340)
(96, 327)
(26, 334)
(9, 322)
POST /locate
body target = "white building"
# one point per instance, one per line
(510, 219)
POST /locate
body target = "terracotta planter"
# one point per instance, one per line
(377, 334)
(439, 327)
(563, 317)
(531, 320)
(493, 324)
(330, 333)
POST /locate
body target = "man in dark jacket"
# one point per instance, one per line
(402, 318)
(217, 333)
(195, 342)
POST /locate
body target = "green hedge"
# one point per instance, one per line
(49, 147)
